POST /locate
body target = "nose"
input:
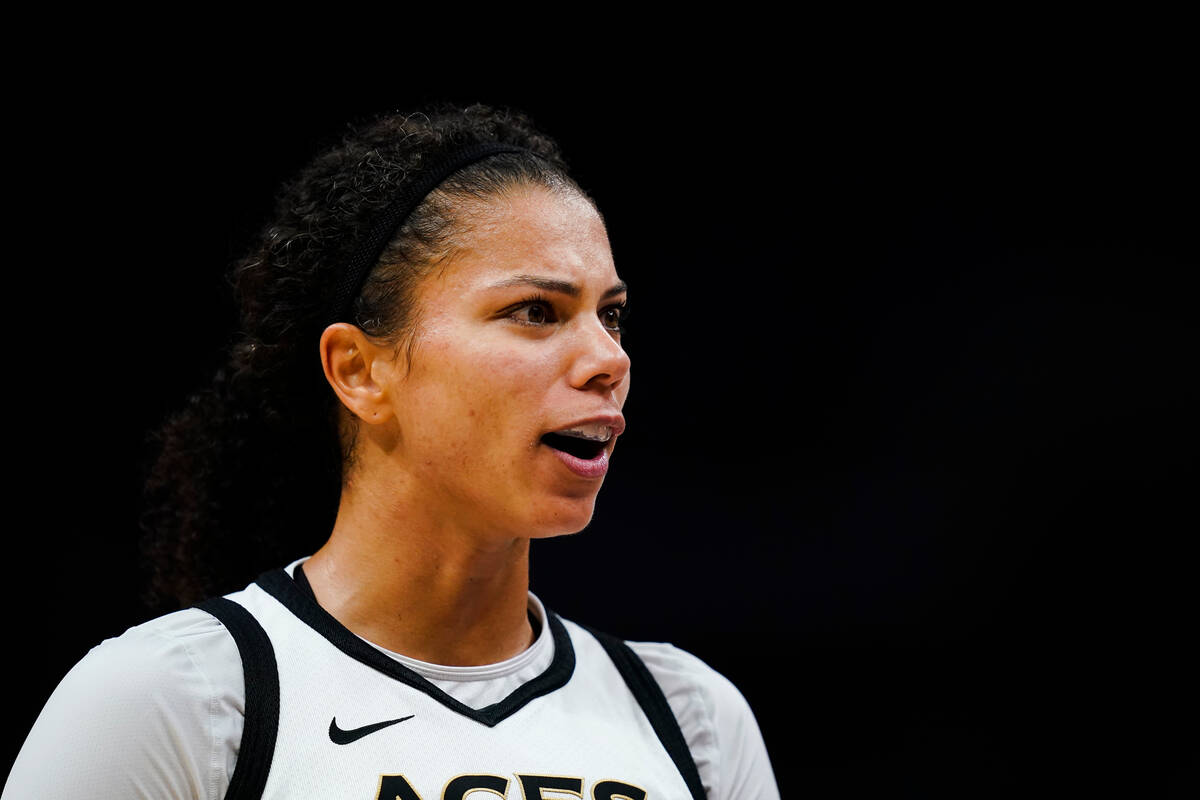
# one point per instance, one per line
(599, 360)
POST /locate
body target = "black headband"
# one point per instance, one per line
(370, 247)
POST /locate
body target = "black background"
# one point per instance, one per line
(911, 447)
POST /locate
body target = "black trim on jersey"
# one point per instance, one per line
(654, 703)
(296, 595)
(261, 674)
(302, 581)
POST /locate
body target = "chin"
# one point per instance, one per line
(570, 517)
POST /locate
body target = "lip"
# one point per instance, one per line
(614, 421)
(585, 468)
(594, 467)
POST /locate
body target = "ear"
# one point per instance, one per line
(353, 366)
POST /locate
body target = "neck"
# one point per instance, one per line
(423, 587)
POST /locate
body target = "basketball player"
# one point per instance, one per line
(430, 374)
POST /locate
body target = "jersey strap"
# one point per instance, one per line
(654, 703)
(262, 698)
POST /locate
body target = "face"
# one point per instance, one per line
(516, 363)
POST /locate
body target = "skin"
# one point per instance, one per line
(429, 555)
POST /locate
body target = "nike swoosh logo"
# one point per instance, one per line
(339, 736)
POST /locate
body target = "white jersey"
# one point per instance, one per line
(322, 713)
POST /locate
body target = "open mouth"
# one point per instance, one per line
(575, 444)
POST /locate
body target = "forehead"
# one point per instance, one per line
(531, 230)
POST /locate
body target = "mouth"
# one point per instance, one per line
(583, 447)
(576, 445)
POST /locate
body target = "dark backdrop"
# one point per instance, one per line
(911, 448)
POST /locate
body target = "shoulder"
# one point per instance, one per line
(685, 676)
(154, 712)
(182, 642)
(176, 657)
(717, 723)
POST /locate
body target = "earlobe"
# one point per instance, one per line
(352, 364)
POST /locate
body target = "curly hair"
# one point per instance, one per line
(249, 473)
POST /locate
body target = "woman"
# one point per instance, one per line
(431, 348)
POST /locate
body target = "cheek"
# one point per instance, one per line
(478, 395)
(507, 394)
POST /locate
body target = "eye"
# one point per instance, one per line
(533, 312)
(613, 317)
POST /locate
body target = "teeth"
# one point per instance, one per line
(594, 433)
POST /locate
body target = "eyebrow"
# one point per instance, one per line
(553, 285)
